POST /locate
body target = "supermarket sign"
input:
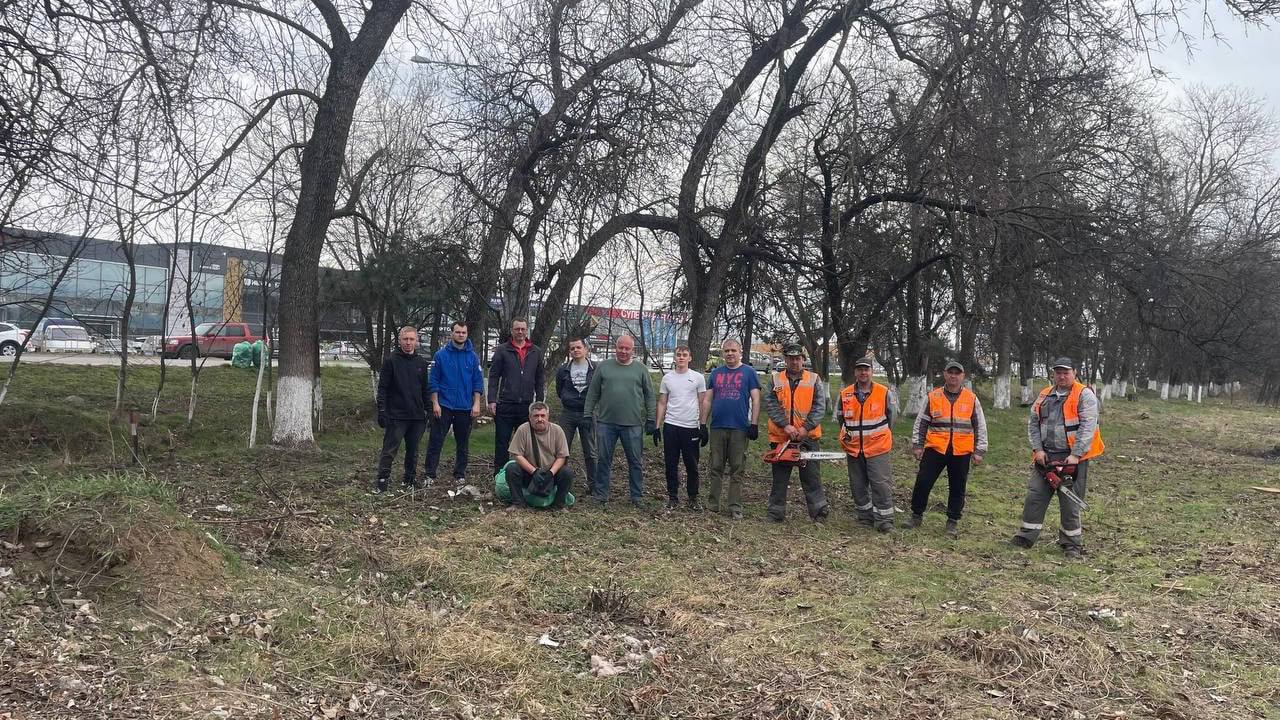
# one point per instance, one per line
(623, 314)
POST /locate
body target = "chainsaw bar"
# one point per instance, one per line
(1063, 489)
(821, 455)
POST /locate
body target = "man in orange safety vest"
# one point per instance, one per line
(1063, 427)
(866, 435)
(950, 432)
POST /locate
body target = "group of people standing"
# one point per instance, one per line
(614, 402)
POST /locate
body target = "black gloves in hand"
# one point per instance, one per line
(753, 432)
(704, 435)
(656, 434)
(382, 420)
(542, 483)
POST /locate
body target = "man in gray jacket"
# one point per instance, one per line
(795, 401)
(1062, 427)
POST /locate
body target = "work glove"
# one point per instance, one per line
(753, 432)
(704, 435)
(542, 483)
(382, 420)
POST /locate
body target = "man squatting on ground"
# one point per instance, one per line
(733, 399)
(795, 402)
(620, 401)
(456, 386)
(572, 380)
(515, 380)
(949, 432)
(682, 419)
(402, 402)
(867, 438)
(540, 452)
(1063, 425)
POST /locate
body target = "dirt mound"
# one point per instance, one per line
(147, 552)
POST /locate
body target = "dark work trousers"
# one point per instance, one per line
(509, 417)
(815, 499)
(410, 431)
(1039, 493)
(931, 466)
(518, 482)
(680, 442)
(460, 422)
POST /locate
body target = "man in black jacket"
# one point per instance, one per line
(515, 380)
(572, 380)
(402, 407)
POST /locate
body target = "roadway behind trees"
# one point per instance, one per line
(219, 568)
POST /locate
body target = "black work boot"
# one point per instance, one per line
(915, 521)
(953, 529)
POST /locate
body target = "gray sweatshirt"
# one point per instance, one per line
(921, 428)
(1048, 430)
(778, 414)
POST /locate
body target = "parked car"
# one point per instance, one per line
(105, 345)
(343, 348)
(666, 361)
(761, 362)
(11, 338)
(61, 335)
(211, 339)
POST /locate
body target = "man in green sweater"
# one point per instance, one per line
(622, 403)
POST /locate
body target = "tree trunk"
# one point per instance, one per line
(320, 170)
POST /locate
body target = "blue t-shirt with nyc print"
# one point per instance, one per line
(731, 396)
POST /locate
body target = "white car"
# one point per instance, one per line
(58, 335)
(11, 338)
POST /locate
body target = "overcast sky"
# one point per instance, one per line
(1245, 55)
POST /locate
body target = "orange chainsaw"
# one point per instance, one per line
(789, 452)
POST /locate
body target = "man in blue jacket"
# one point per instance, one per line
(402, 396)
(456, 388)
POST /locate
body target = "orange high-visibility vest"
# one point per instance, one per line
(951, 423)
(796, 406)
(1071, 418)
(865, 429)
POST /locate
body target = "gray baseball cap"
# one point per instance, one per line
(953, 365)
(1063, 362)
(864, 361)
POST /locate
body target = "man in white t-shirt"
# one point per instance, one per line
(683, 426)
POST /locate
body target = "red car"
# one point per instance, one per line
(211, 339)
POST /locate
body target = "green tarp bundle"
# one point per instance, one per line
(246, 354)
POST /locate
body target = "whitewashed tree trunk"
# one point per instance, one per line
(1124, 388)
(917, 394)
(1151, 384)
(1106, 391)
(1002, 394)
(1025, 394)
(1164, 391)
(271, 409)
(293, 411)
(1189, 388)
(1199, 393)
(373, 386)
(895, 400)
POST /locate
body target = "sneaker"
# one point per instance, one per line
(953, 529)
(673, 504)
(915, 521)
(410, 484)
(735, 514)
(1019, 542)
(695, 506)
(429, 481)
(380, 486)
